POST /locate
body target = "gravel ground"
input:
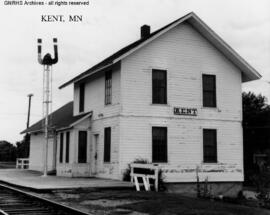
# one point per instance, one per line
(112, 202)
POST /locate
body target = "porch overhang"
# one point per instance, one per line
(75, 123)
(60, 119)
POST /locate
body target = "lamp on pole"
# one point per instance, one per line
(29, 108)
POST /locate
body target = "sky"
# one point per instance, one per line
(107, 26)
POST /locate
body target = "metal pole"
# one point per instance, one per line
(46, 104)
(29, 108)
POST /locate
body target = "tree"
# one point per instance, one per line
(23, 147)
(256, 127)
(7, 151)
(253, 105)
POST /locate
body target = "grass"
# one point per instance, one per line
(109, 201)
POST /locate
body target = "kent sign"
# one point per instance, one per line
(185, 111)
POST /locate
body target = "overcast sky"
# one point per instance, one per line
(109, 25)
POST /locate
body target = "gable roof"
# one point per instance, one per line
(249, 73)
(61, 118)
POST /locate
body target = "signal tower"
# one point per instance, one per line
(47, 61)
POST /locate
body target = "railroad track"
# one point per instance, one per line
(14, 202)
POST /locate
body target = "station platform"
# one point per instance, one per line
(35, 181)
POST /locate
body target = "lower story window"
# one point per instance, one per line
(209, 145)
(61, 147)
(159, 144)
(82, 147)
(107, 144)
(67, 146)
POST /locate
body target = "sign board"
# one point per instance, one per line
(185, 111)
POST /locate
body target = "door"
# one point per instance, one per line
(82, 148)
(94, 160)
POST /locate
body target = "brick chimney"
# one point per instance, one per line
(145, 31)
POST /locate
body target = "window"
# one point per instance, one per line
(82, 151)
(67, 146)
(209, 145)
(159, 86)
(107, 144)
(108, 87)
(81, 102)
(159, 144)
(209, 90)
(61, 147)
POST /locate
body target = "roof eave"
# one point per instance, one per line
(206, 31)
(154, 37)
(249, 73)
(64, 128)
(81, 119)
(34, 131)
(79, 78)
(247, 78)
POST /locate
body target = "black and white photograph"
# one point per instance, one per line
(154, 107)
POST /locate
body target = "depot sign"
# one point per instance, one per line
(185, 111)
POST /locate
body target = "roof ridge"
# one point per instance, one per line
(124, 49)
(231, 54)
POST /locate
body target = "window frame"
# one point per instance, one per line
(156, 89)
(83, 159)
(81, 97)
(108, 88)
(107, 145)
(165, 158)
(205, 91)
(215, 157)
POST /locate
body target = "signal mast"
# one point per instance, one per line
(47, 61)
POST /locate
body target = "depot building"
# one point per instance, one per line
(173, 98)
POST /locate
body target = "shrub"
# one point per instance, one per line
(161, 184)
(126, 174)
(261, 179)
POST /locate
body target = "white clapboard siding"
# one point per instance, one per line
(103, 116)
(185, 146)
(36, 154)
(111, 169)
(186, 55)
(94, 95)
(75, 169)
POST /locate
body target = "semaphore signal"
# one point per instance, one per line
(47, 61)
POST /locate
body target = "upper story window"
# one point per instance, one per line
(159, 144)
(82, 95)
(209, 90)
(159, 86)
(209, 145)
(108, 87)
